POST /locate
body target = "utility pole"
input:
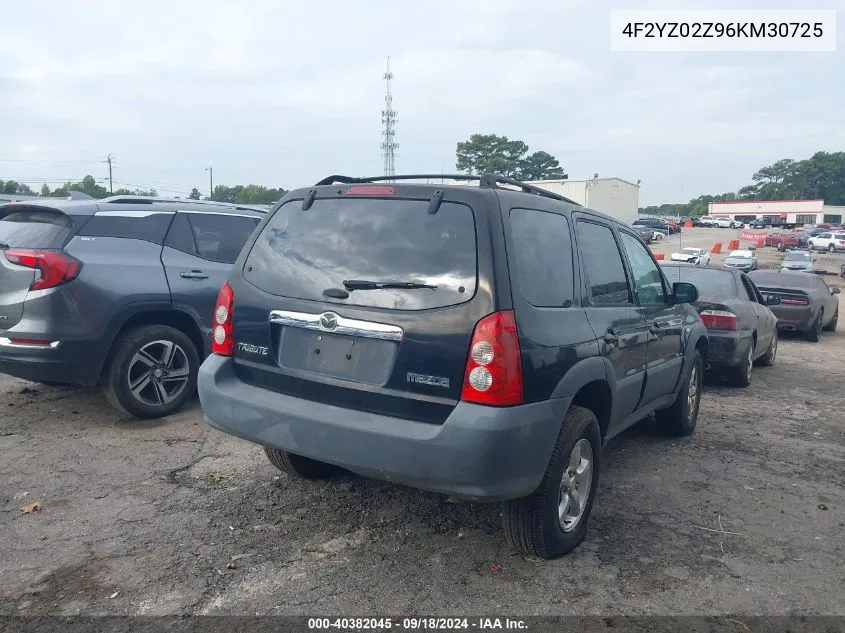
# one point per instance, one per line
(109, 160)
(210, 171)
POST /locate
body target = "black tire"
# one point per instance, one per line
(116, 375)
(814, 335)
(680, 419)
(531, 524)
(298, 466)
(831, 248)
(740, 375)
(768, 359)
(831, 327)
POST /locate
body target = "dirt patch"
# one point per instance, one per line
(746, 517)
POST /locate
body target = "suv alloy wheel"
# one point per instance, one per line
(152, 372)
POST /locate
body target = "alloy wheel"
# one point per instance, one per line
(158, 373)
(575, 485)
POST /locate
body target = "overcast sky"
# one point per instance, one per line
(283, 93)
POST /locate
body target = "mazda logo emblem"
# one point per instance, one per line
(328, 320)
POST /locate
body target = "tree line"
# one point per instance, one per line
(820, 177)
(240, 194)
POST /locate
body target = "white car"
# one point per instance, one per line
(736, 224)
(706, 220)
(723, 223)
(827, 242)
(697, 256)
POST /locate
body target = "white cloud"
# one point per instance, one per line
(286, 92)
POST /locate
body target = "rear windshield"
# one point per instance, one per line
(798, 257)
(300, 254)
(711, 283)
(786, 280)
(32, 228)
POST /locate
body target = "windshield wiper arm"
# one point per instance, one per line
(365, 284)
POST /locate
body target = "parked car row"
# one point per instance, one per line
(482, 342)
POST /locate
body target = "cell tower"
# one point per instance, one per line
(388, 121)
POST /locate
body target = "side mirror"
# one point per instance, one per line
(834, 290)
(772, 300)
(683, 292)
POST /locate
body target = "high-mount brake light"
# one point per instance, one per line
(54, 267)
(222, 334)
(371, 190)
(493, 373)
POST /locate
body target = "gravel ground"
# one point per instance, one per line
(172, 517)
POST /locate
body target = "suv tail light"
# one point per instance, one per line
(718, 319)
(370, 190)
(54, 267)
(493, 373)
(222, 338)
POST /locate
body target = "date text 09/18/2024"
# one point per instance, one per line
(416, 624)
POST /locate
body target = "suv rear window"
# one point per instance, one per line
(299, 254)
(33, 228)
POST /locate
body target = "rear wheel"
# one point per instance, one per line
(831, 248)
(814, 335)
(152, 372)
(298, 466)
(768, 359)
(553, 521)
(740, 375)
(680, 419)
(831, 327)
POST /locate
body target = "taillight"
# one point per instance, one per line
(718, 319)
(222, 339)
(794, 302)
(54, 267)
(493, 373)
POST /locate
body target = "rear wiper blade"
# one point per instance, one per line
(364, 284)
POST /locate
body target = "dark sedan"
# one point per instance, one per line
(807, 304)
(741, 329)
(645, 232)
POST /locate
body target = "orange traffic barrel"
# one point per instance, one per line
(659, 256)
(717, 248)
(687, 225)
(733, 245)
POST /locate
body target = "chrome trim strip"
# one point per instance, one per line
(133, 214)
(225, 215)
(344, 326)
(7, 342)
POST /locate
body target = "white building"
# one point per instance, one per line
(613, 196)
(786, 211)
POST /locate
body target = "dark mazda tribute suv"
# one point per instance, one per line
(479, 341)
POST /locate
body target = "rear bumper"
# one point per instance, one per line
(479, 453)
(794, 319)
(727, 349)
(64, 363)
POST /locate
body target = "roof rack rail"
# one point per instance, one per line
(134, 199)
(485, 181)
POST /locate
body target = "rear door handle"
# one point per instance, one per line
(193, 274)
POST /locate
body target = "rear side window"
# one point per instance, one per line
(214, 237)
(300, 254)
(150, 226)
(33, 228)
(603, 268)
(543, 257)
